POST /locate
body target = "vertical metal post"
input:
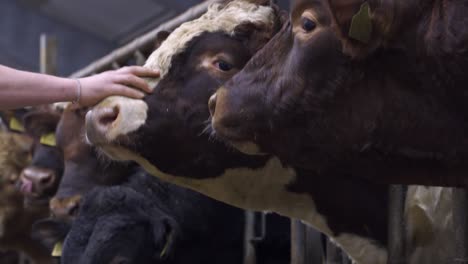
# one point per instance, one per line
(249, 234)
(396, 225)
(333, 253)
(48, 54)
(297, 242)
(345, 258)
(460, 221)
(305, 244)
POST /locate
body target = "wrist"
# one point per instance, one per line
(72, 90)
(78, 91)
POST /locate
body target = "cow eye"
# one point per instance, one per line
(224, 66)
(307, 24)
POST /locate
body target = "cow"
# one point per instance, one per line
(83, 169)
(165, 134)
(148, 221)
(16, 219)
(87, 225)
(371, 89)
(177, 146)
(39, 180)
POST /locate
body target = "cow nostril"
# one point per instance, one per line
(212, 104)
(73, 209)
(46, 179)
(108, 116)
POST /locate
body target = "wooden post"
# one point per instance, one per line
(396, 225)
(48, 54)
(460, 221)
(305, 244)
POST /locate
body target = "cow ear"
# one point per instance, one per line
(160, 38)
(360, 29)
(254, 36)
(13, 119)
(40, 122)
(49, 232)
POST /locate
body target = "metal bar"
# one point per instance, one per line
(396, 225)
(297, 242)
(48, 54)
(139, 58)
(333, 253)
(345, 258)
(249, 233)
(141, 43)
(460, 221)
(306, 244)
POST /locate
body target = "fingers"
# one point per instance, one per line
(133, 81)
(128, 92)
(140, 71)
(132, 77)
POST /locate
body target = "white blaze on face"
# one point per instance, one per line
(218, 18)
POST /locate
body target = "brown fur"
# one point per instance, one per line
(393, 110)
(16, 219)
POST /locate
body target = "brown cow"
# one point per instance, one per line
(377, 93)
(83, 170)
(167, 139)
(16, 219)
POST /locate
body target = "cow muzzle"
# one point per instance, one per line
(230, 121)
(65, 208)
(115, 116)
(35, 181)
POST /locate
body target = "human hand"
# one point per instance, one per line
(124, 81)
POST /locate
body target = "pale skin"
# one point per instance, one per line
(21, 88)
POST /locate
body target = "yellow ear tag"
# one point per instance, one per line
(16, 125)
(361, 25)
(57, 251)
(48, 140)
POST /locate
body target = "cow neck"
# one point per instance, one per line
(208, 159)
(362, 203)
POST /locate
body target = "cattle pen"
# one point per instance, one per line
(301, 235)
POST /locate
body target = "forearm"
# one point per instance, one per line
(19, 88)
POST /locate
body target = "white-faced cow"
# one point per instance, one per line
(142, 220)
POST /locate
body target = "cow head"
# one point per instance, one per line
(14, 156)
(40, 179)
(83, 169)
(194, 60)
(120, 225)
(316, 92)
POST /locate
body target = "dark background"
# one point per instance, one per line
(85, 29)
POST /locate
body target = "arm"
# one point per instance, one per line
(21, 88)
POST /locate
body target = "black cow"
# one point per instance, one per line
(39, 180)
(148, 221)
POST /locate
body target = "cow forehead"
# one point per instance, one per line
(218, 18)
